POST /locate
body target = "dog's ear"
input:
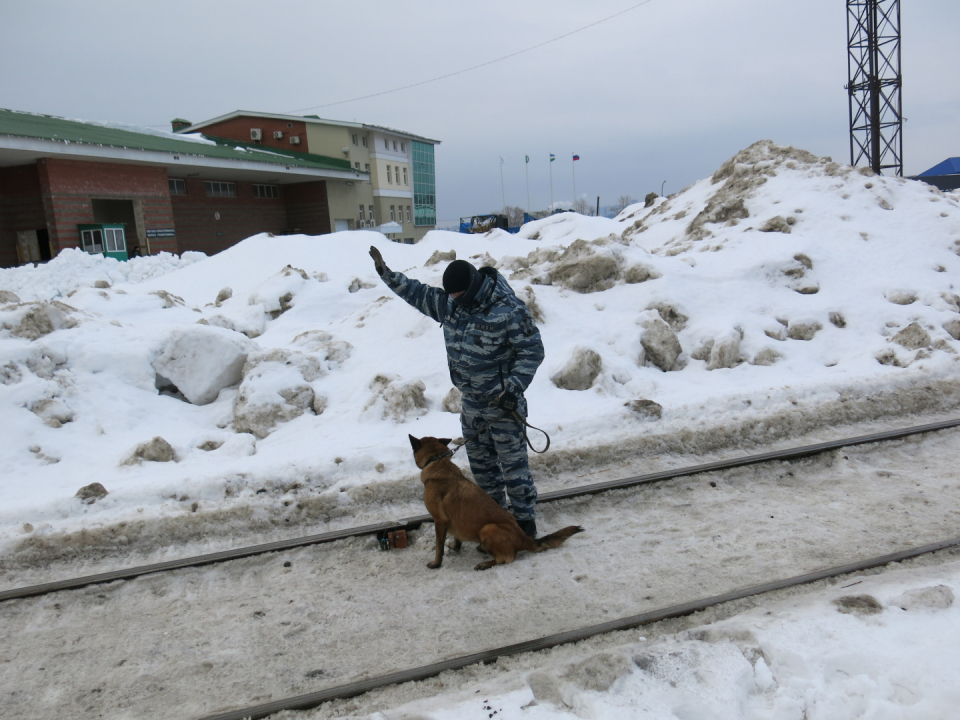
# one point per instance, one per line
(414, 443)
(444, 441)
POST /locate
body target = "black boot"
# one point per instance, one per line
(529, 527)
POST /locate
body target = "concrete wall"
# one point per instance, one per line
(382, 154)
(391, 189)
(329, 140)
(383, 203)
(345, 199)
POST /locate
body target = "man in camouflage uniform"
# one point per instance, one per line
(493, 352)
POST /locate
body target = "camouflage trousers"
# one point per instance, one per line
(498, 456)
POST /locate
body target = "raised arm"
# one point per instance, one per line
(429, 300)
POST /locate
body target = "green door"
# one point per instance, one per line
(106, 239)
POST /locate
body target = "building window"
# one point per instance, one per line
(424, 185)
(371, 213)
(404, 175)
(403, 146)
(408, 213)
(265, 191)
(394, 145)
(356, 165)
(354, 138)
(364, 140)
(289, 125)
(366, 167)
(386, 144)
(115, 241)
(389, 176)
(92, 240)
(392, 216)
(177, 187)
(220, 189)
(361, 214)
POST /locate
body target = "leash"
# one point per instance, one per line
(526, 425)
(523, 423)
(438, 456)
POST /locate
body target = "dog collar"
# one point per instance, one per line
(438, 456)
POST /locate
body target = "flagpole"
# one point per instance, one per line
(573, 164)
(551, 184)
(502, 194)
(526, 167)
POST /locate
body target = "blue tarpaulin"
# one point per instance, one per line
(950, 166)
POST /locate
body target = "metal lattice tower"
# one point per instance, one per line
(873, 64)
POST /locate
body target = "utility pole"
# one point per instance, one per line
(874, 84)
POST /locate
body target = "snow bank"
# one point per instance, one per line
(791, 657)
(73, 269)
(784, 292)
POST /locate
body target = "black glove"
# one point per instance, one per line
(507, 401)
(378, 262)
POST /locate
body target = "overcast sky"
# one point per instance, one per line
(662, 93)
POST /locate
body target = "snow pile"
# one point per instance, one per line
(199, 362)
(73, 269)
(886, 651)
(784, 293)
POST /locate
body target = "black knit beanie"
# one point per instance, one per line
(457, 276)
(461, 276)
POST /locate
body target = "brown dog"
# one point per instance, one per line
(460, 506)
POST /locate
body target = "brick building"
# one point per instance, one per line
(399, 165)
(65, 183)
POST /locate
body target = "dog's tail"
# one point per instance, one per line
(555, 540)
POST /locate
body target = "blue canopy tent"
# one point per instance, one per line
(945, 175)
(950, 166)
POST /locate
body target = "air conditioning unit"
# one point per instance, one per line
(278, 134)
(256, 134)
(294, 139)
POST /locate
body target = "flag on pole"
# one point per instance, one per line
(552, 157)
(576, 157)
(527, 157)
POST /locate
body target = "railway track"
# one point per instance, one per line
(324, 624)
(312, 700)
(417, 521)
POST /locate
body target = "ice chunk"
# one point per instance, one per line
(201, 360)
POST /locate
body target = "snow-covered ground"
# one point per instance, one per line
(885, 648)
(204, 640)
(269, 390)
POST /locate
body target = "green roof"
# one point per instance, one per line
(49, 127)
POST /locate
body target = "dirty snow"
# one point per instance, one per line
(802, 295)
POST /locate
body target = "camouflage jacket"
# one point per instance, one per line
(492, 346)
